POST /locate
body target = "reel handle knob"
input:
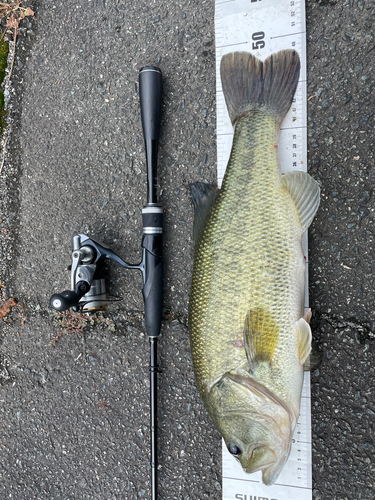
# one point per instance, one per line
(64, 300)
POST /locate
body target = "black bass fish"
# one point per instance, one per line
(249, 336)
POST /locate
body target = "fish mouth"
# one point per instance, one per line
(261, 458)
(268, 476)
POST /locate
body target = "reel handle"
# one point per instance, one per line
(64, 300)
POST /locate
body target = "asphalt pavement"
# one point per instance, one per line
(74, 418)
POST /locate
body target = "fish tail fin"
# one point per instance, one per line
(249, 84)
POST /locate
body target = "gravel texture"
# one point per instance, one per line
(75, 418)
(341, 59)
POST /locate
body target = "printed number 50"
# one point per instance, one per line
(259, 42)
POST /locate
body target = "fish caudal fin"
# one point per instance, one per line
(249, 84)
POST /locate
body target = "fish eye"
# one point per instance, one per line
(234, 449)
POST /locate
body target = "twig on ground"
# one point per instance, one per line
(74, 322)
(5, 144)
(14, 53)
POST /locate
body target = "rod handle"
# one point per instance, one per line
(153, 286)
(150, 92)
(152, 217)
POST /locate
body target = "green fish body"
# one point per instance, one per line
(249, 339)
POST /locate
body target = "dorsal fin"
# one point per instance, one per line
(305, 193)
(203, 196)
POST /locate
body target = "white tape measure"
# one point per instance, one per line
(264, 27)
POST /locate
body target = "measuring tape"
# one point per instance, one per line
(264, 27)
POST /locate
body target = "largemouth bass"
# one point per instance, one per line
(249, 337)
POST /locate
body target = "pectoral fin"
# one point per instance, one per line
(304, 340)
(203, 196)
(261, 335)
(305, 193)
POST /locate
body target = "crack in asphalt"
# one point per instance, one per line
(364, 332)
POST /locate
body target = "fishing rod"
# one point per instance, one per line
(88, 291)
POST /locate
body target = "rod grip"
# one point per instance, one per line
(153, 262)
(150, 92)
(153, 294)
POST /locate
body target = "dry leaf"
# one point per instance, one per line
(12, 23)
(22, 318)
(6, 307)
(29, 12)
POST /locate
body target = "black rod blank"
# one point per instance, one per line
(153, 416)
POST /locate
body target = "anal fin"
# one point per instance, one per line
(307, 317)
(304, 340)
(315, 358)
(305, 193)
